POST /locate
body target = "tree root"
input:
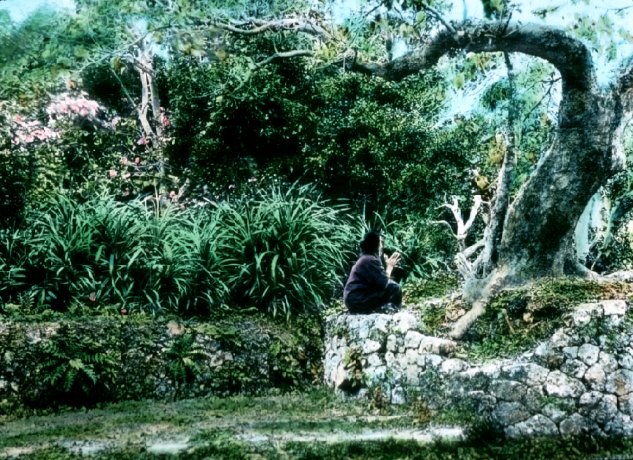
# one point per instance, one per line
(489, 287)
(463, 324)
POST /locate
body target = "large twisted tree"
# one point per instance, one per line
(532, 235)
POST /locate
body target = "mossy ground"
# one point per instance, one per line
(309, 425)
(516, 318)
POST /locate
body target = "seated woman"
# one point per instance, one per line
(368, 288)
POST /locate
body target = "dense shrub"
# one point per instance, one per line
(286, 249)
(280, 251)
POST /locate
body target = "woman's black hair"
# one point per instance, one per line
(370, 243)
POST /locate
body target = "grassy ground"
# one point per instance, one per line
(310, 425)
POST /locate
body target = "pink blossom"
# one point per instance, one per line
(231, 186)
(142, 141)
(112, 173)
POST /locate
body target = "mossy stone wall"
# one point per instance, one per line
(83, 362)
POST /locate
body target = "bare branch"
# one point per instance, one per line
(464, 266)
(463, 227)
(620, 10)
(471, 250)
(284, 55)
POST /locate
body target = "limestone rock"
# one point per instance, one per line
(608, 362)
(619, 425)
(510, 413)
(563, 386)
(433, 360)
(412, 339)
(398, 396)
(529, 373)
(626, 361)
(560, 340)
(549, 353)
(625, 404)
(570, 352)
(452, 366)
(575, 425)
(411, 356)
(574, 368)
(484, 402)
(507, 390)
(605, 410)
(533, 399)
(412, 374)
(589, 354)
(595, 377)
(538, 425)
(614, 307)
(375, 375)
(436, 345)
(371, 346)
(374, 360)
(392, 343)
(620, 382)
(404, 321)
(554, 412)
(588, 402)
(584, 313)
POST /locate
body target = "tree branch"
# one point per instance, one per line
(499, 209)
(569, 55)
(436, 14)
(284, 55)
(253, 26)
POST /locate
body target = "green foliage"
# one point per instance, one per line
(76, 370)
(38, 54)
(286, 251)
(235, 131)
(296, 357)
(12, 272)
(418, 290)
(183, 360)
(136, 255)
(375, 139)
(281, 251)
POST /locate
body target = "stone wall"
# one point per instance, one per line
(580, 380)
(148, 359)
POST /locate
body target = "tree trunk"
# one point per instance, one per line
(539, 231)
